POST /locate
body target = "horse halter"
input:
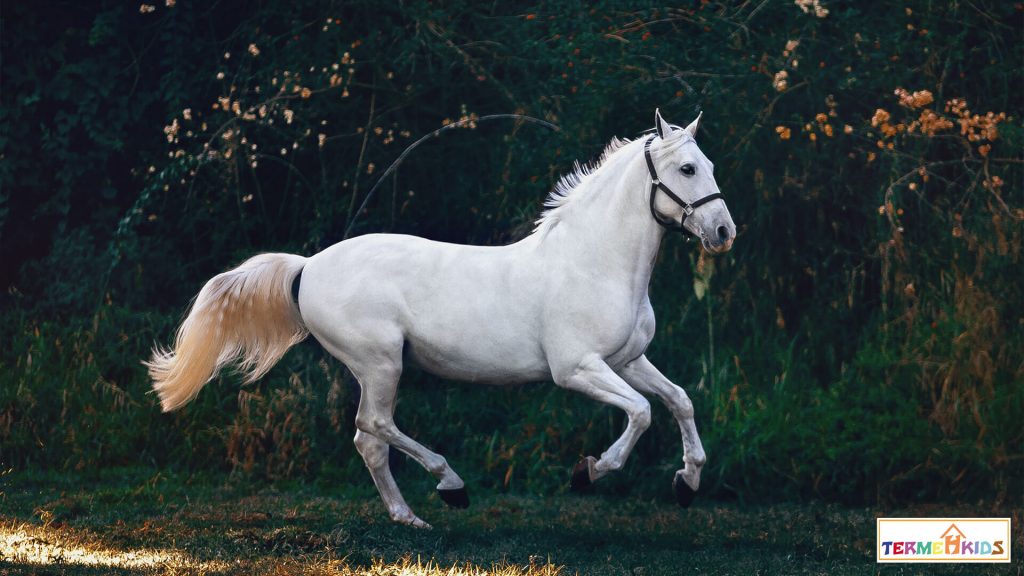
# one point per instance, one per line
(657, 184)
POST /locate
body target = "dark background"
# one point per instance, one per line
(861, 343)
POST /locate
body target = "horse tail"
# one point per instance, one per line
(244, 316)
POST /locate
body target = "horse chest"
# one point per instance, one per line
(636, 341)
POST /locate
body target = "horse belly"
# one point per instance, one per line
(484, 363)
(477, 338)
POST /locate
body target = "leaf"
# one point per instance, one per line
(700, 286)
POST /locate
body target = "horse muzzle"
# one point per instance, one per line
(720, 238)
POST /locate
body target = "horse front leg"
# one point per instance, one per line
(644, 377)
(594, 378)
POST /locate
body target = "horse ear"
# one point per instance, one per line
(692, 128)
(660, 124)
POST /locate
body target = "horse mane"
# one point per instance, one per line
(562, 194)
(566, 189)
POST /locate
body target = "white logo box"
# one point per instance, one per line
(943, 540)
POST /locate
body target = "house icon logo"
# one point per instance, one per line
(952, 537)
(953, 528)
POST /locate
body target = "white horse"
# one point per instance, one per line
(568, 303)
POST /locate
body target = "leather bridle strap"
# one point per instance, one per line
(657, 184)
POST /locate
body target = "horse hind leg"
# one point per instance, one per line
(375, 418)
(375, 454)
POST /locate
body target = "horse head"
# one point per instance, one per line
(684, 193)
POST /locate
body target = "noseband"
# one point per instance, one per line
(657, 184)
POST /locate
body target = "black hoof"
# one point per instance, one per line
(456, 497)
(684, 494)
(581, 474)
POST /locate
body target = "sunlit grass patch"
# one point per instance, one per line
(44, 546)
(408, 566)
(32, 546)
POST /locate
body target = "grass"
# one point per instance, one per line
(143, 521)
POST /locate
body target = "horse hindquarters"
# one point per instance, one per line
(352, 301)
(244, 316)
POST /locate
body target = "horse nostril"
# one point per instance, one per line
(723, 234)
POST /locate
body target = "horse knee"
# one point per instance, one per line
(382, 428)
(678, 402)
(373, 451)
(685, 406)
(640, 416)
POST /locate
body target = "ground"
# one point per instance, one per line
(132, 521)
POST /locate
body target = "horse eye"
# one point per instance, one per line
(688, 169)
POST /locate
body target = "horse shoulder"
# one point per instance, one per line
(608, 323)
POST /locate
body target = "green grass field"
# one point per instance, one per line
(140, 521)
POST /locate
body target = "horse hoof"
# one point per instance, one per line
(684, 494)
(455, 497)
(417, 523)
(581, 474)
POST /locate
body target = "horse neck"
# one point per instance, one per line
(609, 228)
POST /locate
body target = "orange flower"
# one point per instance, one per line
(918, 99)
(780, 81)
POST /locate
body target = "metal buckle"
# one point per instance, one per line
(656, 182)
(688, 209)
